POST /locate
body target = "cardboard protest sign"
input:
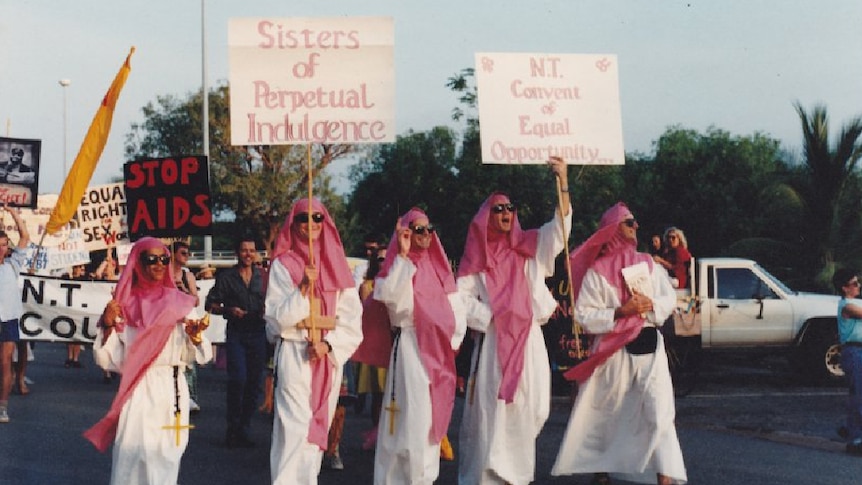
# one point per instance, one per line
(102, 216)
(534, 106)
(167, 197)
(19, 171)
(60, 250)
(311, 80)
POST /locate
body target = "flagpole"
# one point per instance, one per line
(205, 121)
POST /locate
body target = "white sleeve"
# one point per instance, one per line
(348, 326)
(285, 305)
(596, 304)
(111, 354)
(395, 290)
(456, 301)
(478, 312)
(552, 239)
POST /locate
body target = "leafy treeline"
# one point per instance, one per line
(732, 195)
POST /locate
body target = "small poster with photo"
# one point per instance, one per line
(638, 280)
(19, 171)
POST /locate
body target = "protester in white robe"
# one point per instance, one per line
(308, 374)
(427, 313)
(502, 275)
(623, 418)
(144, 336)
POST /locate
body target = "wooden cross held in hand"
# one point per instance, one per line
(178, 426)
(392, 409)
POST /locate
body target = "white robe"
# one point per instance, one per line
(623, 418)
(408, 455)
(293, 459)
(144, 452)
(497, 441)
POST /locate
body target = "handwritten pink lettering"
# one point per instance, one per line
(306, 130)
(266, 97)
(277, 36)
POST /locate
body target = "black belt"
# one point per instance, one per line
(852, 344)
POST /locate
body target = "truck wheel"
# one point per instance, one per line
(821, 354)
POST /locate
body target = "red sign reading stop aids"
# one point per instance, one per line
(168, 197)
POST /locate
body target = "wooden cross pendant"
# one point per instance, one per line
(392, 409)
(178, 426)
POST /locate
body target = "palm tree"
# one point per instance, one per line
(827, 169)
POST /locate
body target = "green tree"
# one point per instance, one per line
(827, 171)
(256, 185)
(416, 170)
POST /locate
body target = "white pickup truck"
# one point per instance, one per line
(733, 303)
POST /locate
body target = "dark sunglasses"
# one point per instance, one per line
(302, 217)
(423, 229)
(499, 208)
(183, 253)
(151, 259)
(630, 222)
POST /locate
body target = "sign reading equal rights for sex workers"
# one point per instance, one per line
(311, 80)
(168, 197)
(533, 106)
(102, 216)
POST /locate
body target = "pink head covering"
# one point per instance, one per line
(433, 319)
(153, 307)
(607, 252)
(292, 251)
(502, 258)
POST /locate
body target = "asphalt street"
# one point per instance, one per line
(760, 430)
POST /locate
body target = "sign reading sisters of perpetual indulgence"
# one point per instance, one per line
(19, 171)
(295, 81)
(168, 197)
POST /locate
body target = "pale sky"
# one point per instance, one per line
(738, 65)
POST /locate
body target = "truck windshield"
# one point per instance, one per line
(774, 280)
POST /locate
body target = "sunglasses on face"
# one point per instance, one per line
(429, 229)
(499, 208)
(303, 217)
(630, 222)
(151, 259)
(182, 253)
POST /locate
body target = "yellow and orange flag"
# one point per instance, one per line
(88, 156)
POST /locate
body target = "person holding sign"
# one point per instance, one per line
(313, 315)
(146, 334)
(502, 275)
(428, 316)
(623, 417)
(11, 307)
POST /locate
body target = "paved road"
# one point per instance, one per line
(750, 429)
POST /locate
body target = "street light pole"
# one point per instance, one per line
(65, 83)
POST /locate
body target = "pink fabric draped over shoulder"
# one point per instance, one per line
(292, 250)
(502, 256)
(433, 319)
(607, 252)
(153, 307)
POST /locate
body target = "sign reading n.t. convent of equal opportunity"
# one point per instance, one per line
(533, 106)
(311, 80)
